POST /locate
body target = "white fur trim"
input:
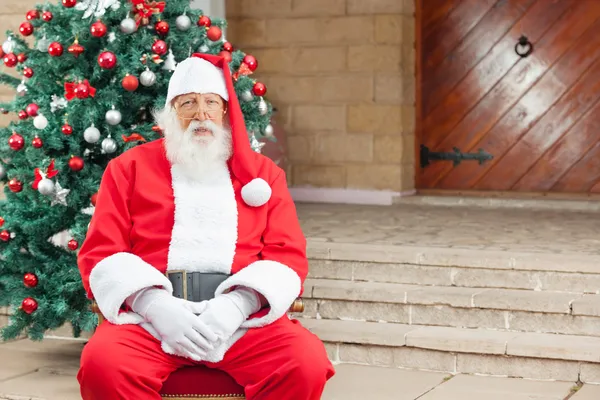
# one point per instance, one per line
(119, 276)
(204, 234)
(196, 75)
(277, 282)
(256, 192)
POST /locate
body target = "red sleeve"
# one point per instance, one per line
(109, 271)
(280, 273)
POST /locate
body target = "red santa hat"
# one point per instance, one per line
(206, 73)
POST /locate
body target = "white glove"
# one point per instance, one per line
(226, 312)
(175, 320)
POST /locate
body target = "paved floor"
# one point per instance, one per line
(47, 370)
(547, 231)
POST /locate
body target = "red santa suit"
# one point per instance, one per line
(150, 218)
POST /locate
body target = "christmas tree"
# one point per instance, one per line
(94, 73)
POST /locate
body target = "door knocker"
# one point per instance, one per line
(523, 47)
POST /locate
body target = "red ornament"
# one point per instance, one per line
(73, 245)
(30, 280)
(29, 305)
(15, 185)
(228, 47)
(55, 49)
(259, 89)
(1, 221)
(251, 62)
(162, 27)
(10, 60)
(32, 14)
(16, 141)
(76, 163)
(2, 53)
(22, 57)
(27, 72)
(69, 3)
(107, 60)
(130, 83)
(5, 236)
(37, 142)
(76, 49)
(98, 29)
(67, 129)
(23, 114)
(47, 16)
(82, 91)
(94, 198)
(226, 55)
(32, 109)
(159, 47)
(214, 33)
(26, 28)
(204, 21)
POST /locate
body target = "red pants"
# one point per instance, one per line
(279, 361)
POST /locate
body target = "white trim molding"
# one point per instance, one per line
(346, 196)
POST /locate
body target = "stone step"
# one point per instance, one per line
(458, 350)
(500, 309)
(416, 272)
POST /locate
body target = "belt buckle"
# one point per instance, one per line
(183, 274)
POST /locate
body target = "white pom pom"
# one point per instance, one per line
(256, 193)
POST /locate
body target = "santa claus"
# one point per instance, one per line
(197, 210)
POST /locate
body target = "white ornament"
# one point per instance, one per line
(91, 134)
(60, 195)
(269, 131)
(40, 122)
(22, 88)
(256, 193)
(96, 7)
(46, 187)
(42, 44)
(8, 46)
(148, 78)
(58, 103)
(204, 48)
(112, 37)
(247, 95)
(113, 117)
(183, 22)
(263, 108)
(2, 171)
(128, 25)
(170, 62)
(109, 145)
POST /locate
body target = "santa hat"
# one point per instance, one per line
(205, 73)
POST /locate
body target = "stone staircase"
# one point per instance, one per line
(494, 312)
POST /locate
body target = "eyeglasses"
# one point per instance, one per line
(190, 107)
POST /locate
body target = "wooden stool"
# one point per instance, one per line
(200, 382)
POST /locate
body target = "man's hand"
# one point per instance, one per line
(225, 313)
(176, 321)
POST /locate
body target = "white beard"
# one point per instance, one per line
(196, 156)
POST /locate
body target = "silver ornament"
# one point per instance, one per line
(204, 49)
(22, 88)
(59, 196)
(40, 122)
(43, 43)
(8, 46)
(247, 95)
(109, 145)
(2, 171)
(263, 108)
(128, 25)
(46, 187)
(255, 144)
(113, 117)
(183, 22)
(91, 134)
(269, 131)
(170, 63)
(148, 78)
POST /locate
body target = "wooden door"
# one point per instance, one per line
(534, 121)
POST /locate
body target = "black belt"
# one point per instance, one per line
(195, 286)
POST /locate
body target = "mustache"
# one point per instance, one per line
(207, 124)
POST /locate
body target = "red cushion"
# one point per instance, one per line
(200, 381)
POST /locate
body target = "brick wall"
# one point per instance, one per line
(341, 72)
